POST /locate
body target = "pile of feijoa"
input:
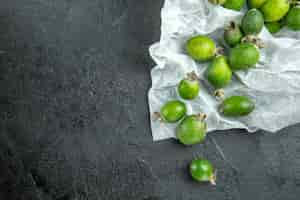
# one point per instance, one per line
(276, 13)
(243, 47)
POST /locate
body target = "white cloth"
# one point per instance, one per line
(274, 84)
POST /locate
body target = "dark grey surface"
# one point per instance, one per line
(74, 76)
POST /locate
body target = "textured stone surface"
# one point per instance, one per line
(74, 125)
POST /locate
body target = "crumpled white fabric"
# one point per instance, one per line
(274, 84)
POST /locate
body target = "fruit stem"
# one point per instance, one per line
(213, 1)
(202, 116)
(157, 117)
(254, 40)
(219, 51)
(219, 94)
(216, 2)
(192, 76)
(294, 2)
(220, 108)
(213, 178)
(233, 25)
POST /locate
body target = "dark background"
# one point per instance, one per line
(74, 76)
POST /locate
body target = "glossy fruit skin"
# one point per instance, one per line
(253, 22)
(217, 2)
(274, 10)
(256, 3)
(273, 27)
(173, 111)
(202, 170)
(237, 106)
(201, 48)
(243, 56)
(293, 19)
(219, 73)
(188, 89)
(233, 35)
(191, 130)
(234, 4)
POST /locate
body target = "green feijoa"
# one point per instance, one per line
(292, 19)
(202, 170)
(234, 4)
(273, 27)
(243, 56)
(256, 3)
(237, 106)
(192, 130)
(233, 34)
(219, 73)
(173, 111)
(252, 22)
(274, 10)
(189, 87)
(217, 2)
(201, 48)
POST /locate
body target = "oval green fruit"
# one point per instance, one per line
(188, 88)
(237, 106)
(233, 34)
(256, 3)
(243, 56)
(201, 48)
(202, 170)
(273, 27)
(274, 10)
(219, 73)
(253, 22)
(191, 130)
(173, 111)
(293, 19)
(234, 4)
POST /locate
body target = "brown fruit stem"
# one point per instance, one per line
(219, 51)
(219, 94)
(294, 2)
(220, 108)
(216, 2)
(213, 178)
(157, 117)
(202, 116)
(232, 25)
(192, 76)
(254, 40)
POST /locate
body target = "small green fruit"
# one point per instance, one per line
(173, 111)
(243, 56)
(201, 48)
(219, 73)
(273, 27)
(256, 3)
(217, 2)
(274, 10)
(192, 130)
(202, 170)
(253, 22)
(189, 87)
(237, 106)
(293, 19)
(233, 34)
(234, 4)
